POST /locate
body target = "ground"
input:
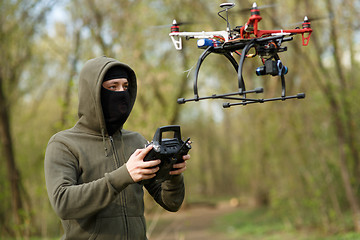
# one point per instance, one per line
(194, 222)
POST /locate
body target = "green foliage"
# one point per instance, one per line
(253, 224)
(260, 223)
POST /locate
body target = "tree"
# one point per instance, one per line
(336, 85)
(19, 21)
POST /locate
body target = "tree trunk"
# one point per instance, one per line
(69, 82)
(8, 153)
(345, 175)
(182, 87)
(344, 127)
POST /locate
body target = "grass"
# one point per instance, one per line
(259, 224)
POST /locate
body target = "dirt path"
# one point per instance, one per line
(190, 223)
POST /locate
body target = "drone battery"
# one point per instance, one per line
(206, 42)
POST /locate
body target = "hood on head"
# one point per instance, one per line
(90, 81)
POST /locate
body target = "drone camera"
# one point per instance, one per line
(272, 68)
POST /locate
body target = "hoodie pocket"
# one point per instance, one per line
(116, 228)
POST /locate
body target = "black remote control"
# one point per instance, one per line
(168, 150)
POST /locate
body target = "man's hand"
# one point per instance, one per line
(180, 167)
(140, 169)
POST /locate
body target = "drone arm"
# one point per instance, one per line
(176, 36)
(305, 32)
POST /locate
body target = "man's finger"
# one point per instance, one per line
(152, 163)
(148, 171)
(186, 157)
(179, 165)
(178, 171)
(145, 151)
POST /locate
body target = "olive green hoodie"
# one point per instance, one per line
(87, 181)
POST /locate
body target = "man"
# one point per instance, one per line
(93, 171)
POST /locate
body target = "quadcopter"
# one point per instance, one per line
(240, 40)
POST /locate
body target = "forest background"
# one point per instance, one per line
(298, 158)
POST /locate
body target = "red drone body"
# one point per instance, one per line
(250, 30)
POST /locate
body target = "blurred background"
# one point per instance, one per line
(297, 161)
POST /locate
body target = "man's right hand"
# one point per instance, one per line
(140, 169)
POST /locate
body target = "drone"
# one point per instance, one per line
(240, 40)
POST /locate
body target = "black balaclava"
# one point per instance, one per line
(115, 104)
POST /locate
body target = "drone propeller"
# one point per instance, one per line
(185, 23)
(178, 23)
(310, 19)
(259, 7)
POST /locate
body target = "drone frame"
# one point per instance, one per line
(240, 95)
(266, 43)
